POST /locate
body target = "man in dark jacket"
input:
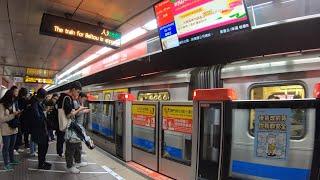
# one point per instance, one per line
(39, 130)
(52, 115)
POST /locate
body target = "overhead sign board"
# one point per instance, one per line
(184, 21)
(75, 30)
(40, 72)
(28, 79)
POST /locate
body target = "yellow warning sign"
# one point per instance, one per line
(147, 110)
(177, 112)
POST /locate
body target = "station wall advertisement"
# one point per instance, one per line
(184, 21)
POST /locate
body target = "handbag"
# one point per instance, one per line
(63, 119)
(14, 123)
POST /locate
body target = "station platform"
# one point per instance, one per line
(101, 167)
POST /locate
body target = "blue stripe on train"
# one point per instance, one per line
(173, 152)
(267, 171)
(149, 146)
(103, 130)
(143, 143)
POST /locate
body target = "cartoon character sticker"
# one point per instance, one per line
(272, 133)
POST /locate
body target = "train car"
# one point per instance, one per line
(279, 77)
(273, 78)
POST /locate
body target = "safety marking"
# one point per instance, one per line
(112, 173)
(54, 162)
(58, 171)
(6, 170)
(82, 155)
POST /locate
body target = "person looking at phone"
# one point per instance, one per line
(8, 113)
(73, 146)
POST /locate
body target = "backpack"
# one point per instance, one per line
(53, 119)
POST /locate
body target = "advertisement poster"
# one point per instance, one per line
(272, 133)
(143, 115)
(184, 21)
(177, 118)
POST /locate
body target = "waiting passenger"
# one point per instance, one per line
(39, 131)
(18, 143)
(52, 115)
(8, 120)
(81, 115)
(73, 144)
(22, 102)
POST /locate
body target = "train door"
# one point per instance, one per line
(144, 117)
(209, 136)
(175, 139)
(123, 126)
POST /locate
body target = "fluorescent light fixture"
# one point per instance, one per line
(151, 25)
(259, 5)
(92, 57)
(103, 51)
(254, 66)
(46, 86)
(284, 2)
(305, 61)
(132, 35)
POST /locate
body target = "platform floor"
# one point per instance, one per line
(101, 167)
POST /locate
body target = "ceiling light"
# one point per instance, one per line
(151, 25)
(132, 35)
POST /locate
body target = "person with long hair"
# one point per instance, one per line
(8, 113)
(18, 143)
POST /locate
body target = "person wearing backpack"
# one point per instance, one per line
(73, 143)
(9, 115)
(39, 128)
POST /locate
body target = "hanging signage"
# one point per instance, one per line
(40, 72)
(184, 21)
(74, 30)
(28, 79)
(272, 133)
(177, 118)
(143, 115)
(154, 96)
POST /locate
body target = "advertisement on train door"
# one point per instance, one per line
(177, 118)
(143, 115)
(272, 133)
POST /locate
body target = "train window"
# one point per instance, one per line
(176, 133)
(144, 127)
(281, 91)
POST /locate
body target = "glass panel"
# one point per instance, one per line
(176, 133)
(210, 137)
(94, 116)
(285, 159)
(143, 127)
(107, 126)
(264, 92)
(268, 11)
(119, 127)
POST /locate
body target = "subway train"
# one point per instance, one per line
(269, 78)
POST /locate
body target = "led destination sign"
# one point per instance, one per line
(74, 30)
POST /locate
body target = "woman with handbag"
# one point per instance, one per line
(9, 123)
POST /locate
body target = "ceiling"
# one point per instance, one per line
(22, 46)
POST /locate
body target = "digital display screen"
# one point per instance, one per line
(184, 21)
(74, 30)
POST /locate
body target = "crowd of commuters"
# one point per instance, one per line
(30, 122)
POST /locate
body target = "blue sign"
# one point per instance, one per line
(168, 30)
(272, 133)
